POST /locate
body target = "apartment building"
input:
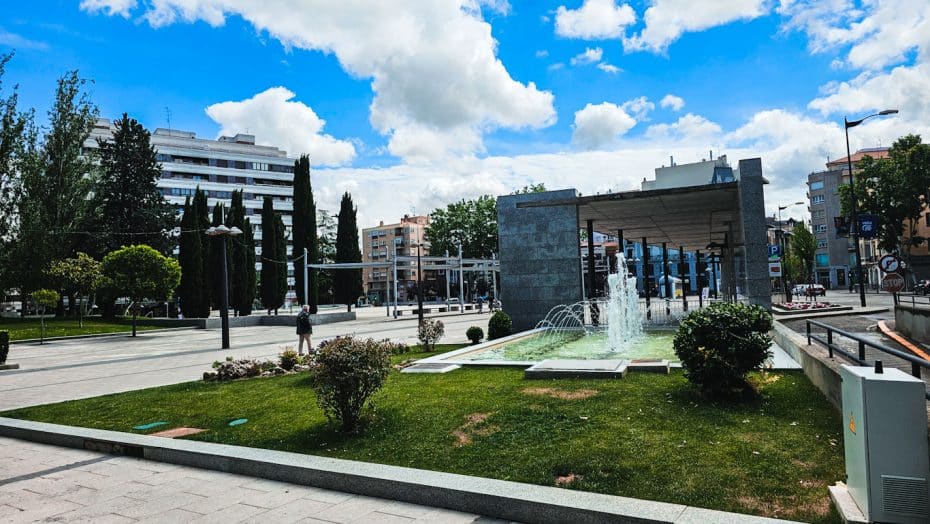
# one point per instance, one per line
(379, 244)
(219, 167)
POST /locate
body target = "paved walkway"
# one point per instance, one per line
(47, 483)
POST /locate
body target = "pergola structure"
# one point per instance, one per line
(539, 238)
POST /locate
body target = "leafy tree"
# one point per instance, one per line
(128, 205)
(274, 266)
(242, 272)
(532, 188)
(326, 251)
(140, 272)
(803, 246)
(44, 298)
(15, 128)
(471, 222)
(192, 290)
(347, 283)
(79, 276)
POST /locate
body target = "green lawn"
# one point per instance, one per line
(24, 329)
(646, 436)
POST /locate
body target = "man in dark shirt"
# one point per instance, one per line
(304, 330)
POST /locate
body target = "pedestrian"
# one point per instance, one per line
(480, 305)
(304, 330)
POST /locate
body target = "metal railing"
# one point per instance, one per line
(914, 300)
(916, 362)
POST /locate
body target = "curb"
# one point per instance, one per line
(490, 497)
(96, 335)
(897, 337)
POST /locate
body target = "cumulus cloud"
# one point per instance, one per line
(594, 20)
(667, 20)
(20, 42)
(277, 120)
(432, 65)
(600, 125)
(608, 68)
(589, 56)
(675, 103)
(110, 7)
(689, 129)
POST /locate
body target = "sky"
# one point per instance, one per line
(411, 105)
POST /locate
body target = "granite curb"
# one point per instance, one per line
(490, 497)
(97, 335)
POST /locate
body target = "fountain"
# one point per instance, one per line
(624, 325)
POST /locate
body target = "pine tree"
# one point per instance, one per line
(192, 288)
(347, 283)
(270, 269)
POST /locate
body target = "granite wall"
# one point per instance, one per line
(756, 286)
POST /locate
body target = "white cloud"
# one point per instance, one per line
(600, 125)
(542, 53)
(589, 56)
(673, 102)
(432, 65)
(608, 68)
(275, 119)
(110, 7)
(20, 42)
(667, 20)
(689, 129)
(594, 20)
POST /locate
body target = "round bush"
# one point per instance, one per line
(720, 344)
(429, 332)
(288, 359)
(345, 374)
(499, 326)
(475, 334)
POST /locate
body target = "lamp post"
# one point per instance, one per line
(854, 204)
(419, 246)
(781, 243)
(223, 232)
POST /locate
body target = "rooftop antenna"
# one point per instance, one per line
(711, 154)
(168, 117)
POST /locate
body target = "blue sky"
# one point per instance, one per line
(419, 102)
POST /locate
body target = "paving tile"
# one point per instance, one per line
(326, 495)
(273, 499)
(405, 509)
(447, 516)
(234, 513)
(352, 510)
(175, 515)
(91, 513)
(160, 504)
(384, 518)
(47, 509)
(291, 512)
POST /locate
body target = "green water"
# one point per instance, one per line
(655, 345)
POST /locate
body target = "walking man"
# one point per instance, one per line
(304, 330)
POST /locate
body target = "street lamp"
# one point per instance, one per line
(854, 213)
(419, 246)
(222, 232)
(781, 242)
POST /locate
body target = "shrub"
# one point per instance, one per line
(396, 348)
(345, 373)
(4, 346)
(242, 368)
(499, 326)
(288, 359)
(475, 334)
(429, 332)
(720, 344)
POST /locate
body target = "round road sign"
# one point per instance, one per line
(889, 264)
(893, 283)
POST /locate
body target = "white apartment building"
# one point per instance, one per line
(220, 167)
(694, 174)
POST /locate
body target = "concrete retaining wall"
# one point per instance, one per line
(273, 320)
(913, 322)
(820, 369)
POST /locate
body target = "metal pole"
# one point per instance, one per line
(224, 295)
(854, 218)
(647, 271)
(461, 283)
(395, 277)
(621, 246)
(493, 275)
(419, 287)
(698, 273)
(668, 285)
(592, 289)
(306, 280)
(448, 274)
(714, 260)
(681, 276)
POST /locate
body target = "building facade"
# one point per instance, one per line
(379, 244)
(694, 174)
(220, 167)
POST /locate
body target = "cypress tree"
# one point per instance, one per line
(201, 222)
(237, 248)
(347, 283)
(269, 282)
(249, 279)
(216, 255)
(313, 249)
(280, 256)
(300, 220)
(190, 256)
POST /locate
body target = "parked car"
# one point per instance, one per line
(809, 290)
(922, 287)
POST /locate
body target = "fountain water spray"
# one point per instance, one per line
(624, 324)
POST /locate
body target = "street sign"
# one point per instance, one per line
(892, 283)
(868, 226)
(774, 269)
(889, 264)
(775, 252)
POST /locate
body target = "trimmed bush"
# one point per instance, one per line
(345, 374)
(475, 334)
(396, 348)
(499, 326)
(719, 345)
(288, 359)
(429, 332)
(4, 346)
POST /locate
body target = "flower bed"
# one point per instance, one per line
(803, 306)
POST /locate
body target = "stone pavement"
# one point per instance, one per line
(81, 368)
(47, 483)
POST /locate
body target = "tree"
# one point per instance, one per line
(347, 283)
(326, 252)
(274, 265)
(127, 204)
(44, 298)
(201, 223)
(532, 188)
(242, 259)
(140, 272)
(216, 256)
(803, 246)
(14, 129)
(304, 230)
(471, 222)
(190, 255)
(79, 277)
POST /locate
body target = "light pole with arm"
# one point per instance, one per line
(223, 232)
(781, 242)
(854, 204)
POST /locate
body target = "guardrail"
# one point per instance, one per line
(916, 362)
(915, 300)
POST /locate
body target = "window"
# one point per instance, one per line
(816, 185)
(222, 163)
(259, 166)
(817, 199)
(820, 213)
(182, 191)
(239, 164)
(821, 228)
(823, 259)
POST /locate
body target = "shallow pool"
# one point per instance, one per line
(541, 346)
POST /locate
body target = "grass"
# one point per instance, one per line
(647, 436)
(24, 329)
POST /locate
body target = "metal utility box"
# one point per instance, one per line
(885, 434)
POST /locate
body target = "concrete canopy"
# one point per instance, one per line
(690, 217)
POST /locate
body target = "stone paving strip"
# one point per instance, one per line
(39, 482)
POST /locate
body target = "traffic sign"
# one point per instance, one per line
(892, 283)
(774, 269)
(889, 264)
(775, 252)
(868, 226)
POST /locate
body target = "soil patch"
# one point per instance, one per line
(475, 426)
(564, 480)
(578, 394)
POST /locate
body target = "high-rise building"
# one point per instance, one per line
(220, 167)
(379, 245)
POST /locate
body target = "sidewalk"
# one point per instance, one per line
(40, 482)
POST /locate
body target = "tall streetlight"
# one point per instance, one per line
(854, 204)
(419, 246)
(781, 242)
(223, 232)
